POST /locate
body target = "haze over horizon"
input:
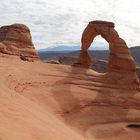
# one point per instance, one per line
(61, 22)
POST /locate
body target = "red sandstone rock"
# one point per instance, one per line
(120, 58)
(16, 40)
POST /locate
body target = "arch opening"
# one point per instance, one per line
(99, 52)
(120, 58)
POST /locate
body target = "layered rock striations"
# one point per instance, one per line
(120, 58)
(16, 40)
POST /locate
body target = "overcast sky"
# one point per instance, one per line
(56, 22)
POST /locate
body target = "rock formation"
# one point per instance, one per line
(53, 62)
(16, 40)
(138, 71)
(67, 60)
(120, 58)
(100, 66)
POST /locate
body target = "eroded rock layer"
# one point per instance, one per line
(16, 40)
(120, 58)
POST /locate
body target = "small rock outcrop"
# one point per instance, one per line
(16, 40)
(53, 62)
(100, 66)
(120, 58)
(67, 60)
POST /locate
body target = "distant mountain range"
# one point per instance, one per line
(73, 48)
(46, 54)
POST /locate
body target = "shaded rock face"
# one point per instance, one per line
(16, 40)
(138, 71)
(120, 58)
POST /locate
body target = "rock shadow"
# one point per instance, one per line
(98, 107)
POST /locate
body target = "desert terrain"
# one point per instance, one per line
(47, 101)
(41, 101)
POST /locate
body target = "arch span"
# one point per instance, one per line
(120, 58)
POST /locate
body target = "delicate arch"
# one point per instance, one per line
(120, 58)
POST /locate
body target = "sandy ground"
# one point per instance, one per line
(41, 101)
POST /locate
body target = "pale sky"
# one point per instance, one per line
(61, 22)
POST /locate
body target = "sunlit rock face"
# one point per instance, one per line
(16, 40)
(120, 58)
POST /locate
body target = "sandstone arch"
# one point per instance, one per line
(120, 58)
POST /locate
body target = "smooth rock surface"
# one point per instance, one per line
(58, 102)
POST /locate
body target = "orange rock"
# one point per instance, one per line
(16, 40)
(120, 59)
